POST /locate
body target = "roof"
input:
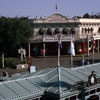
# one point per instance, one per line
(33, 85)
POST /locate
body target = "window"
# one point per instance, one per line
(73, 98)
(92, 91)
(49, 31)
(41, 31)
(66, 99)
(82, 30)
(57, 31)
(64, 31)
(72, 31)
(98, 90)
(86, 93)
(80, 95)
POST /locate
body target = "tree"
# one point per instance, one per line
(86, 15)
(14, 33)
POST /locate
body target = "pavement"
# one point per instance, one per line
(51, 61)
(65, 60)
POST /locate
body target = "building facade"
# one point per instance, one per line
(46, 30)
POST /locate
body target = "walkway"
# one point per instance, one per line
(51, 61)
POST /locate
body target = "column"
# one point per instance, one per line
(44, 49)
(29, 50)
(88, 48)
(3, 59)
(98, 45)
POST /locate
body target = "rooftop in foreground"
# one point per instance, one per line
(58, 82)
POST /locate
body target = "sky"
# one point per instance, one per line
(31, 8)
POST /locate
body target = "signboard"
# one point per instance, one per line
(55, 39)
(29, 60)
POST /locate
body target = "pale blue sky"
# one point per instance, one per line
(31, 8)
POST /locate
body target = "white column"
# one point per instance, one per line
(44, 49)
(2, 59)
(88, 47)
(29, 50)
(98, 45)
(93, 55)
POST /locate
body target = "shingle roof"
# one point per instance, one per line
(35, 84)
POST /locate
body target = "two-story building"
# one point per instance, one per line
(46, 30)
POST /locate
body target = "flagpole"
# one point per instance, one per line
(56, 8)
(83, 59)
(93, 55)
(83, 53)
(58, 55)
(71, 57)
(58, 68)
(71, 61)
(93, 49)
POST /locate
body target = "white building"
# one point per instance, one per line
(47, 28)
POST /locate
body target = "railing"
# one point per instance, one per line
(66, 37)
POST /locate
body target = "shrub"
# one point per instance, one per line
(12, 62)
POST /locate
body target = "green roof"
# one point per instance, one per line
(33, 85)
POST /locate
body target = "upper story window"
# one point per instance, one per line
(65, 31)
(49, 31)
(72, 31)
(87, 30)
(41, 31)
(57, 31)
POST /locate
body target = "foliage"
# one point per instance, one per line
(14, 33)
(86, 15)
(12, 62)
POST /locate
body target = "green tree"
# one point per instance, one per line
(86, 15)
(14, 33)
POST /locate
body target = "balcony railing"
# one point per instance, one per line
(50, 38)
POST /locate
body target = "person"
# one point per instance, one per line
(82, 62)
(87, 62)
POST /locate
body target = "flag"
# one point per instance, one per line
(56, 7)
(83, 49)
(93, 43)
(72, 50)
(59, 40)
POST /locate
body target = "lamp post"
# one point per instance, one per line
(83, 50)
